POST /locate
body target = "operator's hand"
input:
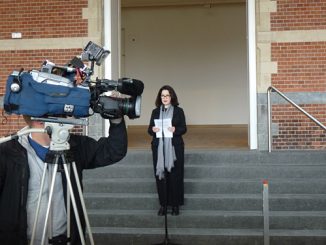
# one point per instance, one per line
(78, 79)
(115, 94)
(155, 129)
(116, 120)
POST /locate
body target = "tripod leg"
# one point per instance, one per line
(68, 209)
(73, 200)
(38, 204)
(50, 225)
(50, 201)
(83, 203)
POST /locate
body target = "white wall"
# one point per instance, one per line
(200, 51)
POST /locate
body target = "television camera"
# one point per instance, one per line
(54, 90)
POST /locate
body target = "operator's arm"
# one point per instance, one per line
(89, 153)
(154, 115)
(2, 170)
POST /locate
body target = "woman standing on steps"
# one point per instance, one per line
(168, 152)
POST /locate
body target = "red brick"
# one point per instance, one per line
(43, 18)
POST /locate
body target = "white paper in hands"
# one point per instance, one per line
(166, 123)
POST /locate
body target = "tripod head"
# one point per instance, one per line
(58, 130)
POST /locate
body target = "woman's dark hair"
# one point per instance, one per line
(174, 97)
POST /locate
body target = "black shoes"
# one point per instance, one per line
(175, 211)
(161, 211)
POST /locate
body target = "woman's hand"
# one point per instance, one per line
(155, 129)
(171, 129)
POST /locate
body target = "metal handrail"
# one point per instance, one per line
(273, 89)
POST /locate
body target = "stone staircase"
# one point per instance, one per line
(223, 199)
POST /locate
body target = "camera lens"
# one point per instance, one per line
(131, 107)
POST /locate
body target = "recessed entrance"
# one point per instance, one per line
(199, 50)
(197, 137)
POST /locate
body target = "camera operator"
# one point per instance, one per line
(21, 167)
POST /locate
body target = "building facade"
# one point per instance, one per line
(289, 54)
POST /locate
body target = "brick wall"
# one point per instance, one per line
(27, 59)
(37, 19)
(31, 59)
(42, 18)
(299, 15)
(295, 130)
(301, 68)
(10, 124)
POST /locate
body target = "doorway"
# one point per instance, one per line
(199, 50)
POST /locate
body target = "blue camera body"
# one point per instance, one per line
(41, 98)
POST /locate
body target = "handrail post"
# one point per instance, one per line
(266, 212)
(269, 119)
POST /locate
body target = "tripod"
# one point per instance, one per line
(58, 129)
(59, 146)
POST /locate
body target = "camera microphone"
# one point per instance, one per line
(127, 86)
(50, 67)
(130, 86)
(65, 68)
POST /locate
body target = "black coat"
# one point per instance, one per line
(14, 175)
(175, 178)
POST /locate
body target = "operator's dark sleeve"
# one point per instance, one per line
(155, 115)
(2, 171)
(89, 153)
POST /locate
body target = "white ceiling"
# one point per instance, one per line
(152, 3)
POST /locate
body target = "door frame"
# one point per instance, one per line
(112, 66)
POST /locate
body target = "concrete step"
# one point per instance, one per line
(296, 220)
(191, 236)
(227, 202)
(198, 236)
(233, 156)
(188, 219)
(210, 171)
(209, 185)
(223, 199)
